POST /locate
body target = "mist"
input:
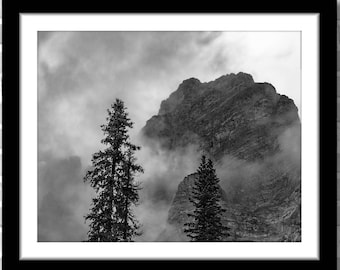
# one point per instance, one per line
(81, 73)
(63, 200)
(163, 171)
(239, 175)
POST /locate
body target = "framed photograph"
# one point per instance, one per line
(167, 136)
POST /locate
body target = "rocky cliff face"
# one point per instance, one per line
(235, 117)
(229, 116)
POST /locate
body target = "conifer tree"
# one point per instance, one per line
(112, 177)
(129, 193)
(205, 224)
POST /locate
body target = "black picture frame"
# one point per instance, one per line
(327, 120)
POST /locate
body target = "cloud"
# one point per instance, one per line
(236, 174)
(163, 171)
(272, 57)
(81, 73)
(63, 200)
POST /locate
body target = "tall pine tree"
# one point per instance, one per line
(205, 224)
(112, 177)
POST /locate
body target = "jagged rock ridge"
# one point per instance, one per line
(234, 116)
(231, 115)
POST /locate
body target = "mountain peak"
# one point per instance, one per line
(232, 80)
(231, 115)
(191, 82)
(252, 133)
(193, 86)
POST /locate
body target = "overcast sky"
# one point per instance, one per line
(81, 74)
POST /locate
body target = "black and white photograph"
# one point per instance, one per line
(169, 136)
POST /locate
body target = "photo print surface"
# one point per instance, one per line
(153, 136)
